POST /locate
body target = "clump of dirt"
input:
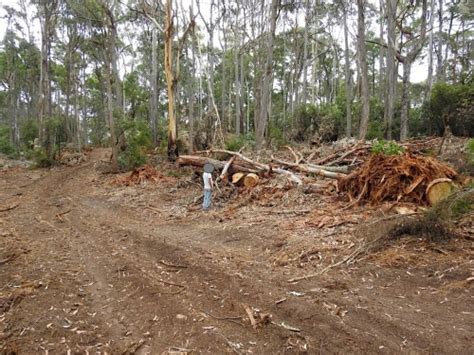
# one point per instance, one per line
(402, 177)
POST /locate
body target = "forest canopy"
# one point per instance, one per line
(185, 75)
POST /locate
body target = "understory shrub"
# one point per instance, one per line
(135, 138)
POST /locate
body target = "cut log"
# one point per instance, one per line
(439, 189)
(200, 161)
(251, 180)
(237, 177)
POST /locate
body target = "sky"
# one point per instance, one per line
(418, 73)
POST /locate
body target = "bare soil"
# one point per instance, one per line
(89, 266)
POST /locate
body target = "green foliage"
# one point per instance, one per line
(234, 142)
(138, 139)
(322, 120)
(387, 148)
(41, 158)
(470, 155)
(449, 105)
(5, 146)
(277, 136)
(375, 130)
(29, 131)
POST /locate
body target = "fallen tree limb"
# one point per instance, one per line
(223, 174)
(260, 166)
(310, 169)
(337, 169)
(200, 161)
(297, 155)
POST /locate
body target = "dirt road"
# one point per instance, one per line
(82, 270)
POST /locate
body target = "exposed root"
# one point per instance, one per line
(393, 178)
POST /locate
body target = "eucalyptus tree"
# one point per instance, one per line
(267, 84)
(48, 16)
(413, 47)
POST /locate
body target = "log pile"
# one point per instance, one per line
(404, 177)
(141, 175)
(364, 176)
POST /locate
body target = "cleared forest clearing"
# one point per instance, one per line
(91, 265)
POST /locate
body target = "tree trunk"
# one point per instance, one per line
(110, 113)
(407, 62)
(154, 87)
(267, 79)
(305, 54)
(382, 54)
(242, 94)
(170, 82)
(347, 74)
(237, 79)
(362, 56)
(430, 53)
(405, 100)
(439, 51)
(392, 74)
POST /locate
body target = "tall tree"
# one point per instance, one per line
(47, 13)
(347, 71)
(414, 46)
(170, 82)
(362, 56)
(392, 66)
(267, 78)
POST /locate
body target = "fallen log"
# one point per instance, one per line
(198, 161)
(306, 168)
(260, 166)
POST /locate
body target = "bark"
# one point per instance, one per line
(347, 74)
(362, 56)
(242, 95)
(170, 82)
(392, 74)
(154, 87)
(305, 54)
(430, 52)
(192, 100)
(238, 117)
(446, 47)
(264, 113)
(77, 118)
(110, 113)
(439, 50)
(225, 118)
(382, 55)
(405, 101)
